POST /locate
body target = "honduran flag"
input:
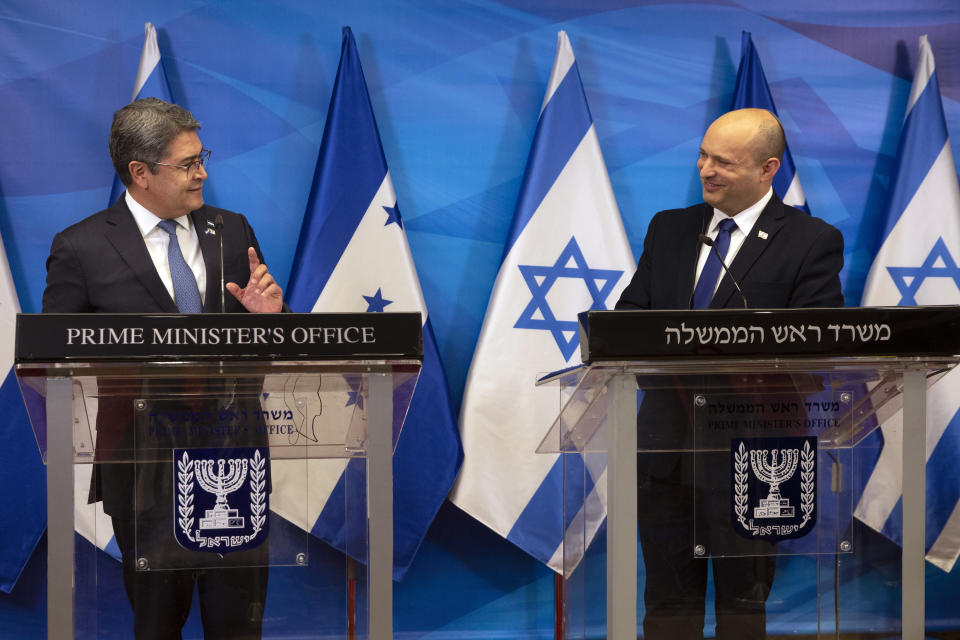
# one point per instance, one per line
(353, 256)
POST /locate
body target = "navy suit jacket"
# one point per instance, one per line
(796, 264)
(101, 265)
(789, 260)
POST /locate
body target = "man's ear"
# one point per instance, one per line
(768, 169)
(138, 173)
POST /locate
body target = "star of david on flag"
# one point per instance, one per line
(567, 252)
(938, 264)
(540, 279)
(915, 265)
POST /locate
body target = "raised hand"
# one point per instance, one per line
(262, 294)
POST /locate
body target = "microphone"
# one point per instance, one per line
(218, 225)
(707, 240)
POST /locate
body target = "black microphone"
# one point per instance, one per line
(707, 240)
(218, 225)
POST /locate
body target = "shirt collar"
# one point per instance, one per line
(746, 218)
(146, 220)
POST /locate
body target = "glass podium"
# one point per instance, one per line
(741, 437)
(176, 441)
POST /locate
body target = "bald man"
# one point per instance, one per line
(782, 258)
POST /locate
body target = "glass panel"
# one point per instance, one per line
(220, 479)
(800, 435)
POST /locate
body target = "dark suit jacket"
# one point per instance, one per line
(101, 265)
(797, 264)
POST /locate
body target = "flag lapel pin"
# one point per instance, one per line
(762, 234)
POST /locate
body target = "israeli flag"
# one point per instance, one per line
(918, 264)
(566, 252)
(151, 82)
(353, 256)
(21, 510)
(752, 91)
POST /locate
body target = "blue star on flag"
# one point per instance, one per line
(376, 302)
(540, 279)
(909, 279)
(393, 216)
(354, 396)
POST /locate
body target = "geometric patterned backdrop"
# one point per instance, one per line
(457, 87)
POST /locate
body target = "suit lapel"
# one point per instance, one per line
(210, 249)
(769, 222)
(124, 235)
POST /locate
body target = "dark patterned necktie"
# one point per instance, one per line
(711, 270)
(186, 293)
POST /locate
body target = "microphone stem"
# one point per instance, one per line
(707, 240)
(218, 224)
(723, 263)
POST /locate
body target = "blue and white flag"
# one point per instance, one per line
(353, 256)
(917, 264)
(752, 91)
(151, 82)
(22, 475)
(567, 252)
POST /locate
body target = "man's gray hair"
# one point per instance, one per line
(143, 130)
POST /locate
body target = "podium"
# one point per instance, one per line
(759, 418)
(186, 427)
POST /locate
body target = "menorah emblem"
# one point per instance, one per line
(774, 470)
(221, 477)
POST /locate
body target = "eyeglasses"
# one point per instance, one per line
(201, 161)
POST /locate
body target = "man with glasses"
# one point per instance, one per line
(157, 250)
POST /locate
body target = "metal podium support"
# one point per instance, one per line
(380, 505)
(622, 508)
(914, 454)
(60, 543)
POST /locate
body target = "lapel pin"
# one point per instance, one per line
(210, 232)
(762, 235)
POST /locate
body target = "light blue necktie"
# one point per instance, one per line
(707, 283)
(185, 290)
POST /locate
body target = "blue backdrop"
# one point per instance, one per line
(456, 88)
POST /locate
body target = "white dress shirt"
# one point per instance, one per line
(745, 221)
(158, 240)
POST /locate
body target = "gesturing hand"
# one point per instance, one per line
(262, 294)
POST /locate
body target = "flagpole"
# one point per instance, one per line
(351, 598)
(558, 606)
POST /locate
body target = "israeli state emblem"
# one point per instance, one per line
(774, 487)
(221, 498)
